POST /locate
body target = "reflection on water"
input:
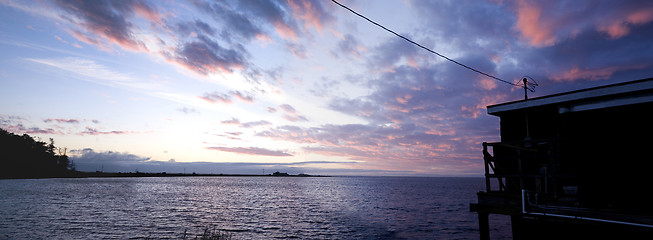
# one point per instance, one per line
(249, 207)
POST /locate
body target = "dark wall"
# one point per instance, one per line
(610, 149)
(607, 152)
(542, 124)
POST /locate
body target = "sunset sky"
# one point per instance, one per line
(298, 86)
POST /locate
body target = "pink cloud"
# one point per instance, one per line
(372, 144)
(285, 31)
(404, 99)
(149, 13)
(532, 25)
(575, 73)
(311, 13)
(478, 109)
(619, 25)
(545, 23)
(87, 39)
(486, 83)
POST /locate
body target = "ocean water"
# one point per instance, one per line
(245, 207)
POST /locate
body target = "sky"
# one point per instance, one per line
(258, 86)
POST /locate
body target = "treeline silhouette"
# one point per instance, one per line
(21, 156)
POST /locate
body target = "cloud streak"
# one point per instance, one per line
(237, 122)
(226, 98)
(61, 120)
(252, 151)
(291, 114)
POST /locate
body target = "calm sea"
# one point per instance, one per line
(246, 207)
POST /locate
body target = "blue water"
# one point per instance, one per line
(246, 207)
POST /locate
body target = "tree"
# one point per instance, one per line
(21, 156)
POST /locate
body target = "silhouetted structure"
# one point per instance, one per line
(573, 165)
(23, 157)
(280, 174)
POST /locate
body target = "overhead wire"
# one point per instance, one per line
(425, 48)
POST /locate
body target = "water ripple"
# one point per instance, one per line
(247, 207)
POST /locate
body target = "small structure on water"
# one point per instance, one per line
(573, 165)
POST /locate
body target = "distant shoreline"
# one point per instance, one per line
(160, 174)
(164, 174)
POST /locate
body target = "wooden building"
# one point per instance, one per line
(573, 165)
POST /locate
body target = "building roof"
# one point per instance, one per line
(620, 94)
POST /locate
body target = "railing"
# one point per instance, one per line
(532, 207)
(521, 165)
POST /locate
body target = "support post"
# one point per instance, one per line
(487, 169)
(484, 225)
(521, 172)
(525, 88)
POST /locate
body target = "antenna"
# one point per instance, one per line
(528, 85)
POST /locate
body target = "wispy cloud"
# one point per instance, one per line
(93, 71)
(20, 129)
(226, 98)
(291, 114)
(95, 131)
(235, 121)
(61, 120)
(216, 97)
(252, 151)
(187, 110)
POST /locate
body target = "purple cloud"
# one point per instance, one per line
(242, 96)
(94, 131)
(187, 110)
(404, 146)
(107, 21)
(425, 113)
(216, 97)
(291, 114)
(252, 151)
(196, 27)
(237, 122)
(255, 124)
(61, 120)
(239, 24)
(272, 12)
(89, 155)
(350, 46)
(549, 41)
(205, 56)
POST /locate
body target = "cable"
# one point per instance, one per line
(425, 48)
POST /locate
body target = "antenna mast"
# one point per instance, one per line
(525, 88)
(528, 86)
